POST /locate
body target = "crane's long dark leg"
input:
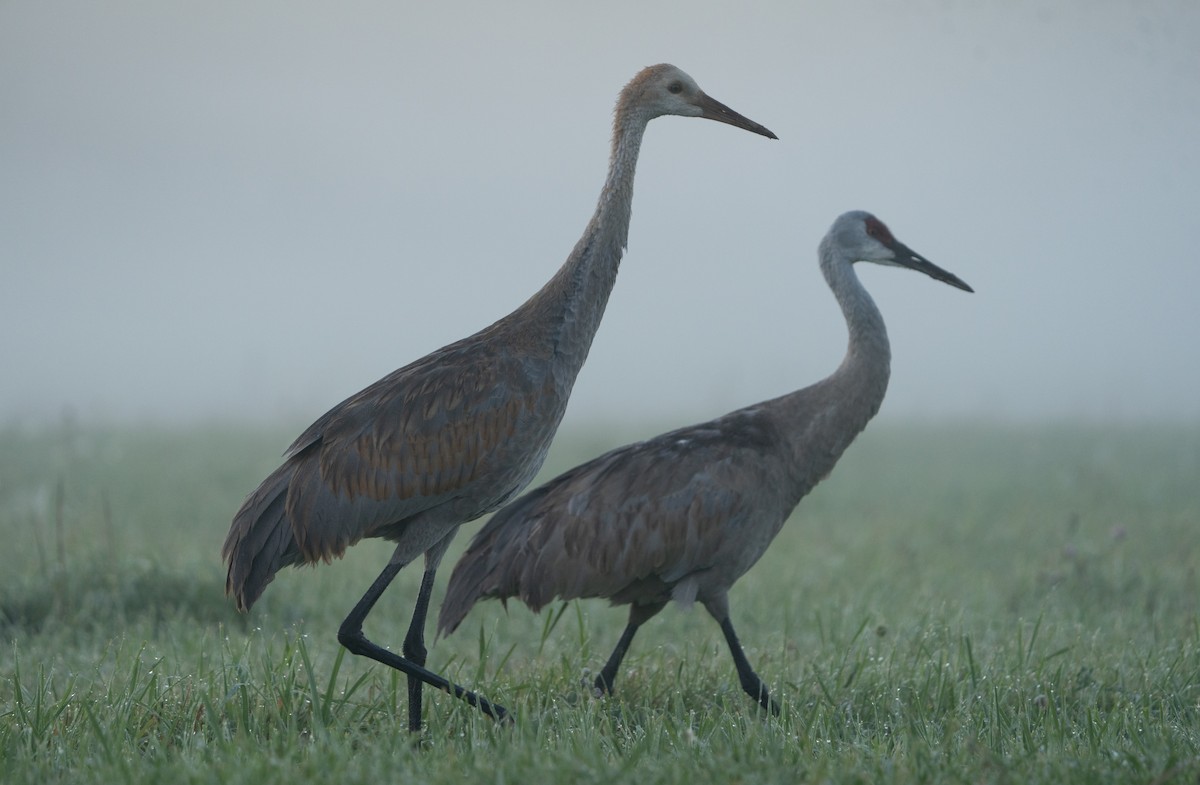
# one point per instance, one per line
(351, 636)
(638, 614)
(719, 608)
(751, 683)
(414, 646)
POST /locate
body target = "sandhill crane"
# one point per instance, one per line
(455, 434)
(684, 515)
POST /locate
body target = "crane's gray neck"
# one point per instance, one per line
(820, 421)
(869, 355)
(568, 309)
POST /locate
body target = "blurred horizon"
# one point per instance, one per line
(229, 213)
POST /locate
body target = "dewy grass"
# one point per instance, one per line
(953, 604)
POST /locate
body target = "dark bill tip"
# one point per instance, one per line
(715, 110)
(914, 261)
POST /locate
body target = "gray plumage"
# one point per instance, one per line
(682, 516)
(455, 434)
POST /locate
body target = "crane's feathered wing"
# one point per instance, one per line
(629, 525)
(454, 425)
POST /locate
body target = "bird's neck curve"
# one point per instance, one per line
(820, 421)
(568, 309)
(867, 364)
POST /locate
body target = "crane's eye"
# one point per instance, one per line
(675, 87)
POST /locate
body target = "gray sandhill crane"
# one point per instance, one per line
(455, 434)
(684, 515)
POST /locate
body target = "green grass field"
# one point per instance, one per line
(956, 603)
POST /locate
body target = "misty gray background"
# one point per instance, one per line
(248, 211)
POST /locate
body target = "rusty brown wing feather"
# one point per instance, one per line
(260, 541)
(634, 521)
(451, 431)
(456, 424)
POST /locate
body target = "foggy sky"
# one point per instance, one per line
(249, 211)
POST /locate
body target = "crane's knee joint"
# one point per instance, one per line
(351, 636)
(415, 651)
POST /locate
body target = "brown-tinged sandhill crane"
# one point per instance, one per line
(684, 515)
(452, 436)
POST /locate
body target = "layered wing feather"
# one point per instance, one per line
(630, 524)
(461, 427)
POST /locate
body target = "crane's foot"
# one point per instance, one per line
(757, 690)
(602, 686)
(357, 643)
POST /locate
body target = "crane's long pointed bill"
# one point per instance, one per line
(909, 258)
(715, 110)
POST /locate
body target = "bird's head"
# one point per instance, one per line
(861, 237)
(666, 90)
